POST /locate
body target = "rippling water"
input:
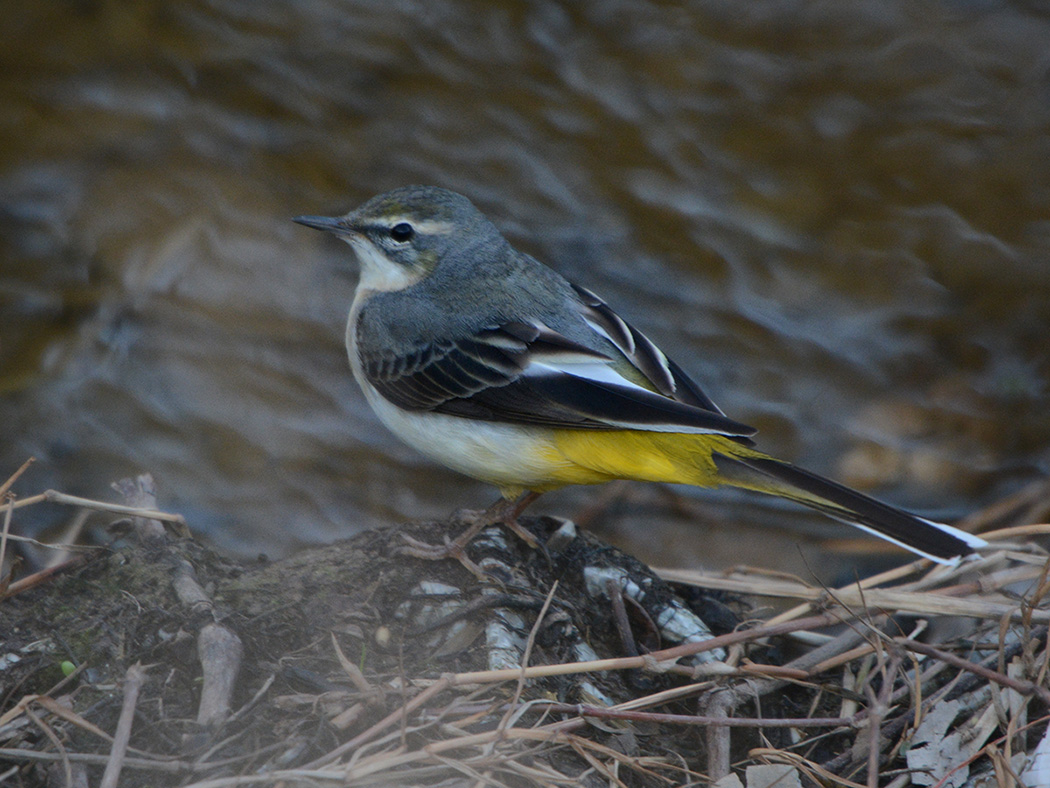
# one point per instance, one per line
(835, 214)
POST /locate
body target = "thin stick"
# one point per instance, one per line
(133, 680)
(651, 660)
(170, 767)
(387, 762)
(841, 659)
(690, 719)
(14, 476)
(815, 772)
(67, 546)
(1022, 687)
(394, 717)
(67, 767)
(8, 511)
(526, 655)
(37, 578)
(513, 707)
(1034, 529)
(54, 496)
(943, 602)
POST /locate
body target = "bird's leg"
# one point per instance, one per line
(507, 513)
(502, 512)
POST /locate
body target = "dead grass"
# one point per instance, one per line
(923, 675)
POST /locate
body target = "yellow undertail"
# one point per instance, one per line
(592, 457)
(598, 456)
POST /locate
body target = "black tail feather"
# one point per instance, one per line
(766, 474)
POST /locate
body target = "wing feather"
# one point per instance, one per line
(527, 373)
(665, 376)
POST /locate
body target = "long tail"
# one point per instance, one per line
(935, 541)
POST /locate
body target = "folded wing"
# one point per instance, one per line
(527, 373)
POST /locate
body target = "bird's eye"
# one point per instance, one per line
(401, 232)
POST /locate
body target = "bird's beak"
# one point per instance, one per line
(332, 224)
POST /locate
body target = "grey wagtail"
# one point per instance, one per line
(492, 364)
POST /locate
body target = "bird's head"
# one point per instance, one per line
(404, 235)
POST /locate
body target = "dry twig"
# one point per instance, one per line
(132, 685)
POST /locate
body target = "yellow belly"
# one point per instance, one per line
(596, 456)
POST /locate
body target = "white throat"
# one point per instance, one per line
(378, 272)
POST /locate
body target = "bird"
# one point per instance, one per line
(493, 364)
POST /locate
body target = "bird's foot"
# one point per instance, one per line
(500, 513)
(452, 548)
(503, 512)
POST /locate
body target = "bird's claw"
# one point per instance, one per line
(452, 548)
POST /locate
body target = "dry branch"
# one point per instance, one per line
(132, 685)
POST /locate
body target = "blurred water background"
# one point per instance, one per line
(835, 214)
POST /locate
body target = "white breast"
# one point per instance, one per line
(508, 456)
